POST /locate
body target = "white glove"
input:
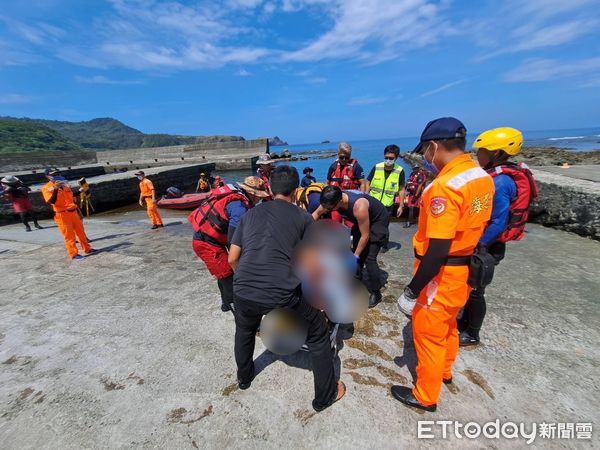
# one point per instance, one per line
(407, 302)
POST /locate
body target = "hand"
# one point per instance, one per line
(407, 302)
(141, 203)
(399, 212)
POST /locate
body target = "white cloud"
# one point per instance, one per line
(525, 26)
(14, 99)
(444, 87)
(243, 73)
(552, 69)
(316, 80)
(371, 29)
(101, 79)
(362, 101)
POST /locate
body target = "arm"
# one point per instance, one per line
(369, 179)
(361, 212)
(430, 265)
(318, 213)
(234, 256)
(401, 194)
(235, 210)
(54, 196)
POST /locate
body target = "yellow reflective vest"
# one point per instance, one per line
(385, 190)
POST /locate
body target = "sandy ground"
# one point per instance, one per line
(129, 348)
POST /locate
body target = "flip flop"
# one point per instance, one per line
(341, 391)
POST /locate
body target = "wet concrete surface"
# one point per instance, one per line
(129, 348)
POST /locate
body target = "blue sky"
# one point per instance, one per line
(305, 70)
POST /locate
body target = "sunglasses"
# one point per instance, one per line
(390, 159)
(343, 157)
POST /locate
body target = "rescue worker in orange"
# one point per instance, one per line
(148, 195)
(515, 190)
(346, 172)
(455, 210)
(214, 223)
(66, 214)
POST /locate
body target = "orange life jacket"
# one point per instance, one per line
(211, 218)
(527, 191)
(344, 177)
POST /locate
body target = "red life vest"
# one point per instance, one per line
(527, 191)
(211, 219)
(344, 177)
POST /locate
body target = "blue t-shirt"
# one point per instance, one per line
(235, 209)
(505, 193)
(307, 181)
(314, 201)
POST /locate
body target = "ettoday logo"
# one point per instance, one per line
(444, 429)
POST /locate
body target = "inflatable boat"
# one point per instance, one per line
(186, 201)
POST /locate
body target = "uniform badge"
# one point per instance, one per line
(437, 206)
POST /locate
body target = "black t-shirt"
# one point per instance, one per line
(268, 235)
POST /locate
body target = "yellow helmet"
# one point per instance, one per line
(507, 139)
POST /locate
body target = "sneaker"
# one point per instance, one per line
(38, 226)
(225, 307)
(154, 227)
(92, 251)
(407, 225)
(77, 257)
(374, 299)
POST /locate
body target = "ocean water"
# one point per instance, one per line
(370, 152)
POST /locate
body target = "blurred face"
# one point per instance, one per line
(343, 158)
(484, 157)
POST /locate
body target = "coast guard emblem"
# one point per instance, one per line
(437, 206)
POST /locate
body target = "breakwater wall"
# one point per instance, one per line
(118, 189)
(14, 162)
(235, 154)
(567, 203)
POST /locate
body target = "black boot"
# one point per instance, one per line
(374, 299)
(27, 228)
(404, 395)
(466, 339)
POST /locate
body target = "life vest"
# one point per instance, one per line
(344, 177)
(413, 183)
(203, 184)
(527, 191)
(211, 219)
(303, 193)
(260, 174)
(385, 189)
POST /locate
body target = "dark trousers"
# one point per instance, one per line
(248, 315)
(25, 216)
(476, 308)
(368, 258)
(226, 289)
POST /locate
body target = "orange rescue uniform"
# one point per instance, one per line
(457, 205)
(146, 188)
(67, 218)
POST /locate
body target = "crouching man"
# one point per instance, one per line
(261, 256)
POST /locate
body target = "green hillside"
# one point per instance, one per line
(110, 134)
(19, 136)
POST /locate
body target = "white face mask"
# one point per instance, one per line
(140, 178)
(389, 162)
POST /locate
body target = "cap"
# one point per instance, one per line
(440, 129)
(141, 172)
(51, 171)
(265, 158)
(255, 186)
(307, 169)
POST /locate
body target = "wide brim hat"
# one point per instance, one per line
(265, 159)
(10, 179)
(254, 186)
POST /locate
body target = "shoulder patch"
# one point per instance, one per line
(437, 206)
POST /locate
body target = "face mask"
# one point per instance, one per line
(139, 178)
(389, 162)
(429, 166)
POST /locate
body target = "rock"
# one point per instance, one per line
(276, 141)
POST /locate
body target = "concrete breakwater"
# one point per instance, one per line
(119, 189)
